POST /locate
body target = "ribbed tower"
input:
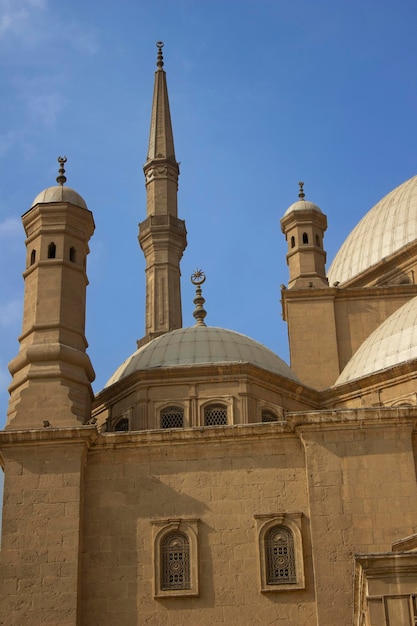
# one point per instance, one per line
(162, 236)
(52, 372)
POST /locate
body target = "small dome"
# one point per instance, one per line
(302, 205)
(200, 345)
(60, 193)
(392, 343)
(385, 229)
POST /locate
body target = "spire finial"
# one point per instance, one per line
(301, 195)
(61, 178)
(200, 313)
(160, 59)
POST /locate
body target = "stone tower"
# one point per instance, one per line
(304, 225)
(52, 372)
(162, 236)
(44, 445)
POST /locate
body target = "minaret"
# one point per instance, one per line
(162, 236)
(52, 372)
(304, 225)
(308, 304)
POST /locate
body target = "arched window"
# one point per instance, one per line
(175, 557)
(172, 417)
(72, 255)
(318, 244)
(215, 415)
(280, 551)
(32, 257)
(292, 242)
(51, 250)
(122, 425)
(175, 562)
(279, 556)
(268, 416)
(305, 238)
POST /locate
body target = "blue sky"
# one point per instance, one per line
(263, 93)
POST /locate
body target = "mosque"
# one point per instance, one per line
(209, 482)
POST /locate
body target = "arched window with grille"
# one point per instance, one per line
(305, 238)
(172, 417)
(280, 551)
(122, 425)
(279, 556)
(175, 557)
(175, 562)
(215, 415)
(268, 416)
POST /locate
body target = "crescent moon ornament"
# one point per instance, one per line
(198, 277)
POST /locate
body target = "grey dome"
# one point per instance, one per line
(385, 229)
(200, 345)
(392, 343)
(302, 205)
(60, 193)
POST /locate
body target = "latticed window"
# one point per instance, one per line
(175, 562)
(122, 425)
(172, 417)
(279, 556)
(268, 416)
(215, 414)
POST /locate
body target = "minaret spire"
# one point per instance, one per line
(161, 138)
(162, 236)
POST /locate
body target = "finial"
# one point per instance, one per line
(200, 313)
(301, 195)
(160, 59)
(61, 179)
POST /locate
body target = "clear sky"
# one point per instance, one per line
(263, 93)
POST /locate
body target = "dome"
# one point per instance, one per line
(200, 345)
(385, 229)
(302, 205)
(392, 343)
(60, 193)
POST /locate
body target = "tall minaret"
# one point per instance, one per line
(52, 371)
(162, 236)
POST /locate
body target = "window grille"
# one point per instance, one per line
(172, 417)
(175, 562)
(122, 425)
(280, 557)
(305, 238)
(268, 416)
(215, 414)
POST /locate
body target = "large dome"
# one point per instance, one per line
(60, 193)
(200, 345)
(392, 343)
(385, 229)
